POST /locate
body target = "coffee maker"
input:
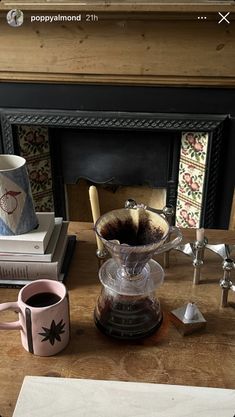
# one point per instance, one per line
(127, 307)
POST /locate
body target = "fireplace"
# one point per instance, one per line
(94, 130)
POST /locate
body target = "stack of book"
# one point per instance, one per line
(43, 253)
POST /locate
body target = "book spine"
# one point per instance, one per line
(28, 271)
(31, 257)
(12, 285)
(22, 246)
(25, 257)
(30, 243)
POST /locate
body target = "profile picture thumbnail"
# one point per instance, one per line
(15, 17)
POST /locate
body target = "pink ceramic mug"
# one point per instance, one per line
(44, 323)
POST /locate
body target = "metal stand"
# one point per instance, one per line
(101, 256)
(196, 251)
(168, 212)
(198, 260)
(226, 283)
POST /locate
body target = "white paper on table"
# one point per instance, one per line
(68, 397)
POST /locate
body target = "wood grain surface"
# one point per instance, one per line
(201, 359)
(131, 48)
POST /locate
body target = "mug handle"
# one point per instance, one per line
(172, 243)
(14, 325)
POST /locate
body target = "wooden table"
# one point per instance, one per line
(201, 359)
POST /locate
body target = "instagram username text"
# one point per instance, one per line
(64, 18)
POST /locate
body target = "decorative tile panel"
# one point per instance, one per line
(34, 147)
(192, 168)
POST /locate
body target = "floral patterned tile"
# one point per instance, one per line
(33, 140)
(192, 167)
(194, 146)
(44, 202)
(40, 175)
(187, 214)
(34, 147)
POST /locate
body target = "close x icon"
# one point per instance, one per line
(223, 17)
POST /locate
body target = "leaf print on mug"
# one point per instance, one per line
(53, 333)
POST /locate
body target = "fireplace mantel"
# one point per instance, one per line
(145, 43)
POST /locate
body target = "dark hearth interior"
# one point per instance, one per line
(130, 157)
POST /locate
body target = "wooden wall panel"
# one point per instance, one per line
(120, 50)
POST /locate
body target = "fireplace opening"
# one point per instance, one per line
(115, 157)
(134, 163)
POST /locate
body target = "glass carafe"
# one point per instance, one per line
(127, 307)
